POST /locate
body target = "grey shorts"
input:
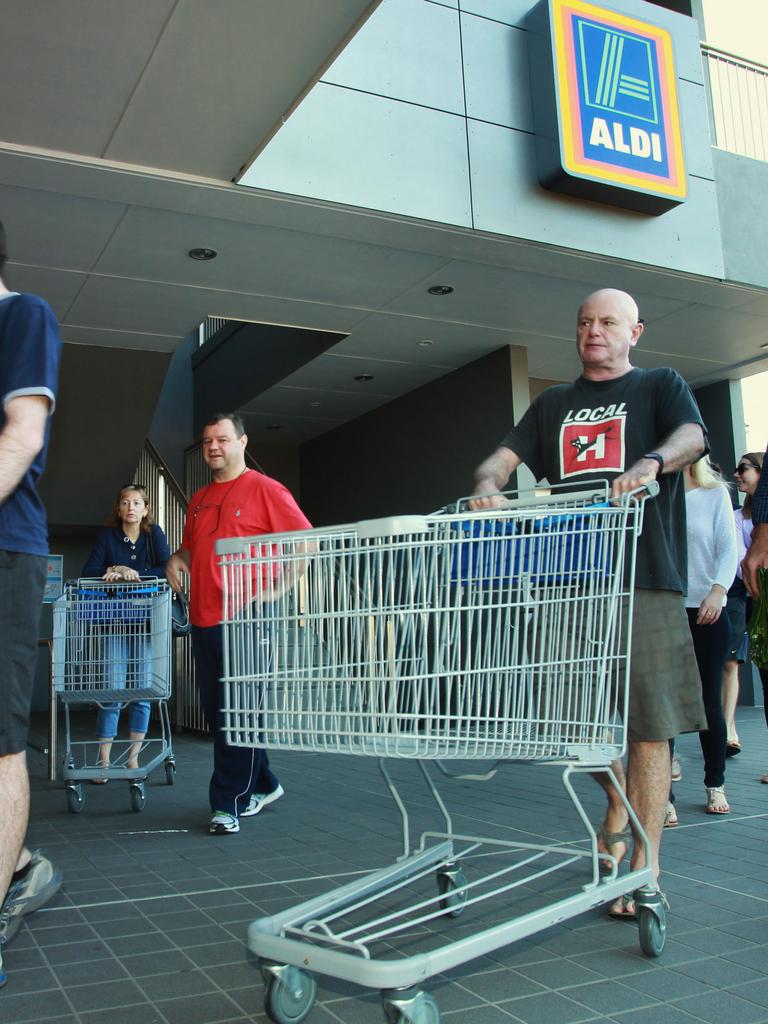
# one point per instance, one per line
(22, 580)
(664, 688)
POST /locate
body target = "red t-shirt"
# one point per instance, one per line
(249, 505)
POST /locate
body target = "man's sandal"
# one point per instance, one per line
(625, 909)
(611, 839)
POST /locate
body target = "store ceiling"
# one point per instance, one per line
(117, 158)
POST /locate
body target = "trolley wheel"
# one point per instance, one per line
(653, 929)
(421, 1010)
(75, 798)
(448, 882)
(289, 996)
(170, 772)
(138, 799)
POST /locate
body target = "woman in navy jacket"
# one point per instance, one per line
(129, 547)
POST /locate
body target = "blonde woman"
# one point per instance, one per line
(711, 569)
(747, 475)
(130, 546)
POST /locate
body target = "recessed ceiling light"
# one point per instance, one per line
(203, 254)
(440, 289)
(764, 345)
(274, 426)
(425, 343)
(364, 376)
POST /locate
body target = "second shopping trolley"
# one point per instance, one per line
(112, 645)
(496, 636)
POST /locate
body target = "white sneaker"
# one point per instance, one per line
(677, 771)
(223, 824)
(259, 801)
(41, 881)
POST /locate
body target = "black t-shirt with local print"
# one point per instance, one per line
(595, 430)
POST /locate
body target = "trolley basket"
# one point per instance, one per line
(112, 645)
(497, 636)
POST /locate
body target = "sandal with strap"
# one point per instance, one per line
(670, 816)
(716, 802)
(611, 839)
(626, 908)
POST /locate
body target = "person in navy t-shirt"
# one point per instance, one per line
(30, 348)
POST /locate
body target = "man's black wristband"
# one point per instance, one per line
(658, 458)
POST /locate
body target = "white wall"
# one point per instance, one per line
(427, 113)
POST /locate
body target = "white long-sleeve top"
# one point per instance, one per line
(711, 542)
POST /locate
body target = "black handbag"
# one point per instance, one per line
(180, 624)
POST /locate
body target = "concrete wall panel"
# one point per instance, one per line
(508, 200)
(496, 73)
(413, 162)
(407, 50)
(742, 187)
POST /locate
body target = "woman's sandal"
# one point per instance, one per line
(611, 839)
(716, 802)
(670, 816)
(100, 782)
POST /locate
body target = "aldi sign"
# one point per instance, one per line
(605, 106)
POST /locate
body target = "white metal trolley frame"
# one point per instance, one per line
(112, 644)
(498, 636)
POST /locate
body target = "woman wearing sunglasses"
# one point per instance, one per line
(747, 476)
(130, 546)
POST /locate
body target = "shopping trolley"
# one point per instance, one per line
(501, 636)
(112, 644)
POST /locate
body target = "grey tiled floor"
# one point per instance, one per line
(150, 925)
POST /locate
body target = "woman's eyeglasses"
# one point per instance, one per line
(743, 467)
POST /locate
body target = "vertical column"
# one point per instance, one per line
(723, 414)
(521, 399)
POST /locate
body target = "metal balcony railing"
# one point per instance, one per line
(209, 327)
(739, 97)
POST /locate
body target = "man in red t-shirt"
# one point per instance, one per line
(239, 502)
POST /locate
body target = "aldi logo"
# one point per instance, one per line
(605, 104)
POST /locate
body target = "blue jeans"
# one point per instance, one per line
(130, 664)
(238, 772)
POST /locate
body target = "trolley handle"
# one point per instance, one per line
(651, 491)
(556, 496)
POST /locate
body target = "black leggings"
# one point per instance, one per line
(712, 644)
